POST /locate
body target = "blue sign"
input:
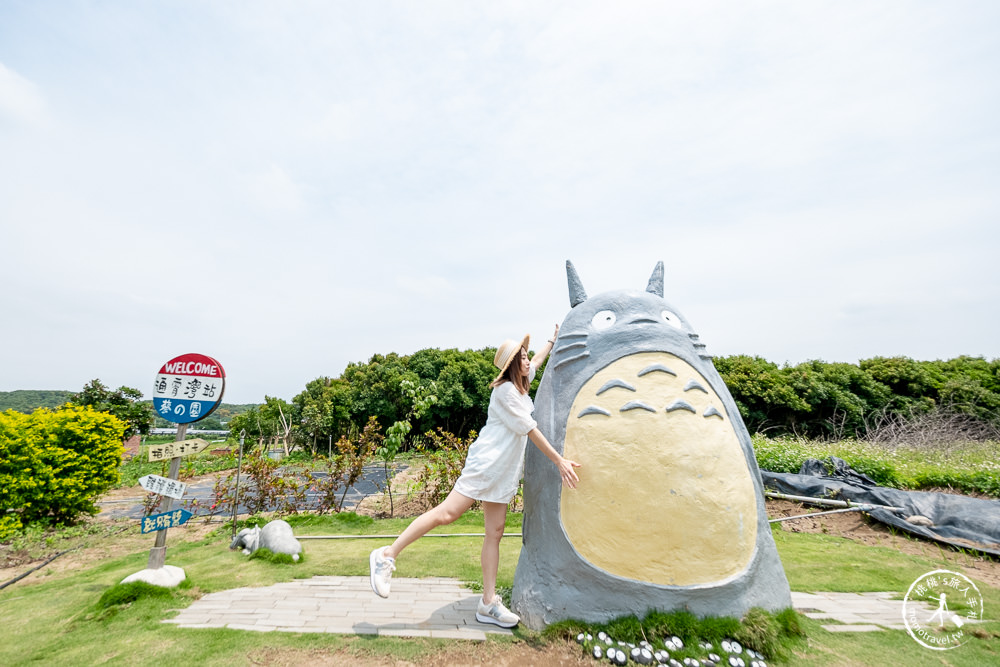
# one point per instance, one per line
(171, 519)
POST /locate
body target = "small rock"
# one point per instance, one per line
(918, 520)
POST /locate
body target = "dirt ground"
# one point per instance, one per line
(852, 526)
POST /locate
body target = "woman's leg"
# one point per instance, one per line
(454, 506)
(495, 515)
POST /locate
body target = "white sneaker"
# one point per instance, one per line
(382, 568)
(496, 613)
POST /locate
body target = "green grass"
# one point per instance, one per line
(57, 617)
(972, 467)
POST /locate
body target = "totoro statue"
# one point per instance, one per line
(669, 512)
(276, 536)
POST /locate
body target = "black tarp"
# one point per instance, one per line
(962, 521)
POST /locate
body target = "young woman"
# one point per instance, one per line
(491, 475)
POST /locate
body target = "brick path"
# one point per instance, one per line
(432, 607)
(444, 608)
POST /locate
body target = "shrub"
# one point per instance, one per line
(263, 487)
(343, 469)
(54, 464)
(445, 458)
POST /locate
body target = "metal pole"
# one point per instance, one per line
(856, 508)
(829, 502)
(239, 466)
(158, 554)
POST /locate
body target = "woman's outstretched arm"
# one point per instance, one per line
(566, 472)
(540, 356)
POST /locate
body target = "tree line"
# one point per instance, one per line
(813, 399)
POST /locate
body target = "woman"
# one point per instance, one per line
(491, 475)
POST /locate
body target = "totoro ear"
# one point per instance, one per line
(655, 285)
(576, 293)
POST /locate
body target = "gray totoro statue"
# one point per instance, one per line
(275, 535)
(669, 512)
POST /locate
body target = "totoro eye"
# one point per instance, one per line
(603, 319)
(671, 319)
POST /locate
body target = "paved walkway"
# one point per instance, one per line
(433, 607)
(854, 612)
(445, 608)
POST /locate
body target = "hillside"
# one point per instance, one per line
(27, 400)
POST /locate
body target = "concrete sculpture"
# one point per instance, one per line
(275, 536)
(669, 513)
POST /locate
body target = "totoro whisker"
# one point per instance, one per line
(570, 346)
(568, 360)
(681, 405)
(636, 405)
(612, 384)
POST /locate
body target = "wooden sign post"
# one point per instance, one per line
(158, 554)
(187, 389)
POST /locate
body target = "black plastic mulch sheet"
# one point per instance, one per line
(968, 523)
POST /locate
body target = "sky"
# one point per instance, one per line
(291, 187)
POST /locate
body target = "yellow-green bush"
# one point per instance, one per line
(55, 463)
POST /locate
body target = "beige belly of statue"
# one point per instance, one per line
(665, 493)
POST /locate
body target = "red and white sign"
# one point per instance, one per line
(188, 388)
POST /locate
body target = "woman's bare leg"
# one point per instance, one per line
(495, 515)
(454, 506)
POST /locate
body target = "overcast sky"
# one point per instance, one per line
(290, 187)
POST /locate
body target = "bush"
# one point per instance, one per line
(445, 458)
(54, 464)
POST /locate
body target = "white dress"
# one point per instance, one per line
(495, 460)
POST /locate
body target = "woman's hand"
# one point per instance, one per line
(555, 334)
(566, 472)
(565, 466)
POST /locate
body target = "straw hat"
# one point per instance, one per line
(507, 352)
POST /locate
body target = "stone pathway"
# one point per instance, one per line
(444, 608)
(854, 612)
(433, 607)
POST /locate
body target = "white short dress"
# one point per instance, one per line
(496, 459)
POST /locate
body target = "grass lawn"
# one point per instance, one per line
(52, 616)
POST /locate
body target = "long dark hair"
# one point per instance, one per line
(514, 375)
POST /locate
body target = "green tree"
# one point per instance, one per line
(323, 412)
(840, 397)
(124, 403)
(762, 391)
(267, 425)
(376, 389)
(971, 385)
(462, 381)
(421, 398)
(913, 385)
